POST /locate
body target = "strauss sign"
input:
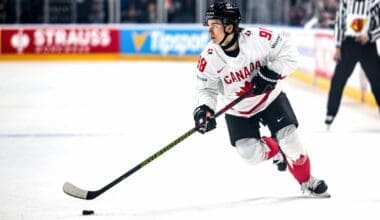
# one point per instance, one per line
(60, 40)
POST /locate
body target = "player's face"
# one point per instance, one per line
(216, 30)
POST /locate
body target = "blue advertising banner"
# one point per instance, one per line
(163, 40)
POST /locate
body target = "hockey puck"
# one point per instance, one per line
(88, 212)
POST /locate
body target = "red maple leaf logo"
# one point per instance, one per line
(247, 86)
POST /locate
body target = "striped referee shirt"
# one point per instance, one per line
(355, 17)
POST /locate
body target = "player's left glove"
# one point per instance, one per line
(203, 120)
(264, 81)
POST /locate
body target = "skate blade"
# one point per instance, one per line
(324, 195)
(328, 127)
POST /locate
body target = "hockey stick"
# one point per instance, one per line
(77, 192)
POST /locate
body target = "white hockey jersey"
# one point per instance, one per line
(218, 73)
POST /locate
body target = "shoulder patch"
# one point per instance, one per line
(248, 33)
(210, 51)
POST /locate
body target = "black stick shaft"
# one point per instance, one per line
(142, 164)
(94, 194)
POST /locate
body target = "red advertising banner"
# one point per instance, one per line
(59, 40)
(0, 40)
(324, 52)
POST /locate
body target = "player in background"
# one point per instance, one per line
(357, 27)
(235, 61)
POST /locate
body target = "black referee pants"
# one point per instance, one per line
(351, 53)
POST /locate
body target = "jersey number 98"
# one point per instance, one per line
(201, 64)
(265, 33)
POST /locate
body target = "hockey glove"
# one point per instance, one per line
(264, 81)
(203, 120)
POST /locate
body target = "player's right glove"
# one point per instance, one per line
(264, 81)
(203, 120)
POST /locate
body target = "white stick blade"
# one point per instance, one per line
(74, 191)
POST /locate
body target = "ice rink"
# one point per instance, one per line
(90, 122)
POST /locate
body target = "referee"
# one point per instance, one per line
(356, 29)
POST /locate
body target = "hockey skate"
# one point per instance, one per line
(279, 161)
(315, 187)
(329, 120)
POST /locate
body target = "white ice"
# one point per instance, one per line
(90, 122)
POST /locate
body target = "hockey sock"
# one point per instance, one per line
(300, 168)
(273, 146)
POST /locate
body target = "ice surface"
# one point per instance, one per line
(90, 122)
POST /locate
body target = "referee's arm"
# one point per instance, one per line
(339, 23)
(374, 26)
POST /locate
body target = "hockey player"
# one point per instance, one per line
(235, 61)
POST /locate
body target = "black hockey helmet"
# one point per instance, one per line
(224, 10)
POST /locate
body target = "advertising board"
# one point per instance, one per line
(182, 42)
(59, 40)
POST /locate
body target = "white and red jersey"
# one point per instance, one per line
(218, 73)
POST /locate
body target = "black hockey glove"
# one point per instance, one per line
(203, 120)
(264, 81)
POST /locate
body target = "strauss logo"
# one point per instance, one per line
(357, 24)
(20, 41)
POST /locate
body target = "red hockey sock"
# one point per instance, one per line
(300, 168)
(273, 146)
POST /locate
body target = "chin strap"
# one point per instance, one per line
(234, 39)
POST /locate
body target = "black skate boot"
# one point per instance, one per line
(329, 119)
(315, 187)
(280, 162)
